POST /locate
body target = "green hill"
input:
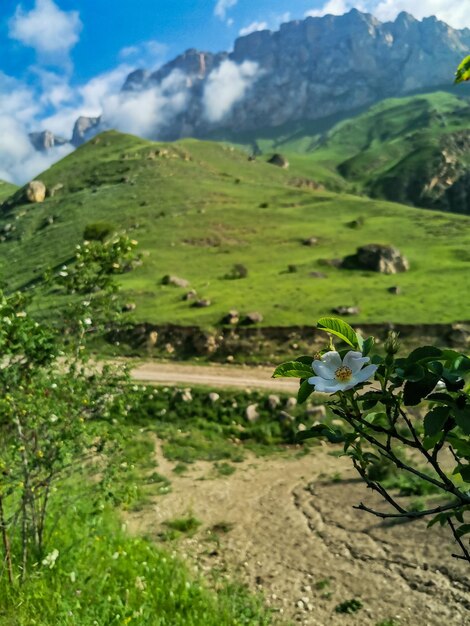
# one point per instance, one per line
(413, 150)
(199, 208)
(6, 189)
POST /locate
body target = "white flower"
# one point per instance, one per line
(50, 559)
(334, 374)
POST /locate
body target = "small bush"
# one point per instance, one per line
(238, 271)
(98, 231)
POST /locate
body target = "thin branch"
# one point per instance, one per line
(459, 541)
(408, 514)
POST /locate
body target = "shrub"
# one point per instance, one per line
(98, 231)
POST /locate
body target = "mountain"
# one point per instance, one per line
(200, 208)
(412, 150)
(45, 140)
(307, 70)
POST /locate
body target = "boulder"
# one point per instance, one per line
(317, 412)
(252, 318)
(283, 416)
(214, 397)
(55, 189)
(176, 281)
(395, 290)
(279, 160)
(346, 310)
(290, 403)
(377, 258)
(311, 241)
(190, 295)
(232, 317)
(35, 191)
(201, 304)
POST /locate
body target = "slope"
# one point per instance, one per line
(6, 189)
(199, 208)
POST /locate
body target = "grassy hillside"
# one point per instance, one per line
(414, 150)
(199, 208)
(6, 189)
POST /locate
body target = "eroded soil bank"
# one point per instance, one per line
(285, 525)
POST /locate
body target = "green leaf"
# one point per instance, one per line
(305, 390)
(306, 360)
(333, 436)
(368, 345)
(435, 420)
(293, 369)
(414, 372)
(414, 392)
(340, 329)
(464, 471)
(462, 530)
(463, 71)
(423, 354)
(462, 417)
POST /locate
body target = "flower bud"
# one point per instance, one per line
(392, 345)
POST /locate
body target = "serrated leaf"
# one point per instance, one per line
(368, 345)
(340, 329)
(293, 369)
(435, 420)
(305, 390)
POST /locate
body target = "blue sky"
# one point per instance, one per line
(65, 58)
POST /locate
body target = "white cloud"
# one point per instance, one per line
(146, 54)
(227, 85)
(222, 7)
(144, 112)
(46, 28)
(454, 12)
(252, 28)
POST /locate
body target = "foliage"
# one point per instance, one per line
(463, 71)
(381, 421)
(98, 231)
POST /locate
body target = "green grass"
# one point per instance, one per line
(187, 525)
(193, 219)
(104, 576)
(6, 189)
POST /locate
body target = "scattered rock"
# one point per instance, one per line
(153, 338)
(317, 275)
(283, 416)
(35, 191)
(191, 295)
(396, 291)
(186, 396)
(279, 160)
(201, 304)
(355, 224)
(214, 397)
(273, 402)
(253, 318)
(459, 335)
(331, 262)
(205, 343)
(311, 241)
(55, 189)
(291, 403)
(169, 347)
(316, 412)
(175, 281)
(346, 310)
(251, 413)
(129, 307)
(377, 258)
(232, 317)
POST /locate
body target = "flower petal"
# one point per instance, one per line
(323, 385)
(366, 373)
(355, 360)
(328, 365)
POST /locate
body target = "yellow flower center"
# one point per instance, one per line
(343, 374)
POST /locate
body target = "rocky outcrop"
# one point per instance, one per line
(85, 128)
(314, 68)
(377, 258)
(45, 140)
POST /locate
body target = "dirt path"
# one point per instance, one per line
(212, 376)
(295, 537)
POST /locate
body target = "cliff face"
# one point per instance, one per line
(313, 68)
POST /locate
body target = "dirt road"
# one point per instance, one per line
(285, 525)
(213, 376)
